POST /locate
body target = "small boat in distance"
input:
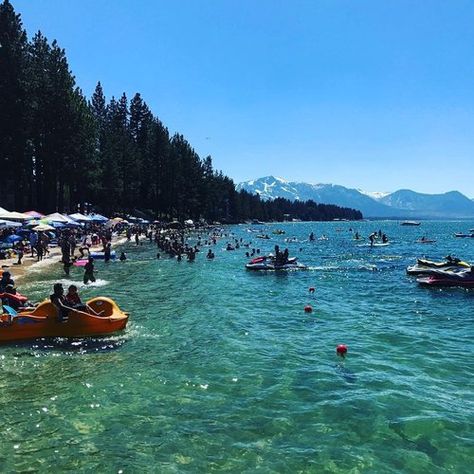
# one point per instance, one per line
(269, 263)
(462, 235)
(410, 223)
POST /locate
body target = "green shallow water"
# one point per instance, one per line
(221, 369)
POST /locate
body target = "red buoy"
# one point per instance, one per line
(341, 350)
(308, 309)
(312, 289)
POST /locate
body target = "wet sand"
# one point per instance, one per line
(54, 257)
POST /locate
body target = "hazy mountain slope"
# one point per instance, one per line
(400, 204)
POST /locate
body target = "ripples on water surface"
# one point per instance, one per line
(220, 368)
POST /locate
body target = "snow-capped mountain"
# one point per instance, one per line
(400, 204)
(374, 194)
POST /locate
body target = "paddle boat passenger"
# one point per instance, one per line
(74, 300)
(5, 281)
(59, 300)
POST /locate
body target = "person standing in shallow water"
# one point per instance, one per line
(107, 252)
(89, 271)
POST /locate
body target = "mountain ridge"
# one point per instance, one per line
(401, 204)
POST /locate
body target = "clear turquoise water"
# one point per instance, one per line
(221, 369)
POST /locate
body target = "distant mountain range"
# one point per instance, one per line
(402, 204)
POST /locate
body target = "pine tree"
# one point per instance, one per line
(14, 163)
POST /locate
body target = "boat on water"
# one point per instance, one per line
(444, 278)
(279, 232)
(428, 267)
(269, 263)
(42, 322)
(463, 235)
(410, 223)
(425, 241)
(263, 236)
(375, 244)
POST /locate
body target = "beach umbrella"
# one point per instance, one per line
(34, 214)
(11, 239)
(5, 224)
(43, 228)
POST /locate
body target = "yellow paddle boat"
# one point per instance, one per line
(43, 321)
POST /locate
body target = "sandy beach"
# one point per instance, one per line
(54, 257)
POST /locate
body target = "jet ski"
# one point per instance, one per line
(269, 263)
(444, 278)
(428, 267)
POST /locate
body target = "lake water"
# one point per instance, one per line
(221, 369)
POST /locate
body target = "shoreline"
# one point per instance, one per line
(29, 264)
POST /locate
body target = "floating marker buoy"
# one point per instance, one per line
(341, 350)
(308, 309)
(312, 289)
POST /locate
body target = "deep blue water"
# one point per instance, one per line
(221, 369)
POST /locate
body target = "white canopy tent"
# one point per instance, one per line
(12, 215)
(61, 218)
(80, 217)
(5, 224)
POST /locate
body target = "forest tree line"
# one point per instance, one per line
(60, 150)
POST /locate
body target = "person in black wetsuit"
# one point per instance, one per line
(89, 271)
(107, 252)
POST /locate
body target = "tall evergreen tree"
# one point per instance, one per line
(14, 163)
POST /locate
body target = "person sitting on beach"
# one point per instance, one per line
(59, 300)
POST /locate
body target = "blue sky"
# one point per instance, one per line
(370, 94)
